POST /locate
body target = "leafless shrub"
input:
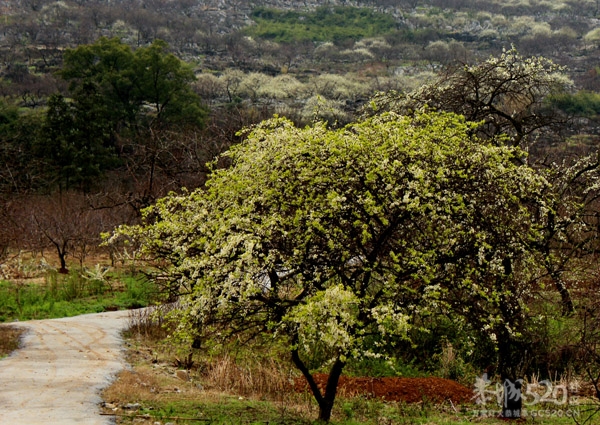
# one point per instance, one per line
(150, 322)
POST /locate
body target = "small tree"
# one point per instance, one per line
(63, 224)
(330, 240)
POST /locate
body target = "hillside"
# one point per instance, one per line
(249, 59)
(209, 32)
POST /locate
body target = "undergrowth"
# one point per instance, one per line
(78, 292)
(247, 384)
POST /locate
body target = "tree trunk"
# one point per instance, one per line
(62, 256)
(568, 307)
(326, 406)
(512, 402)
(63, 264)
(508, 367)
(325, 401)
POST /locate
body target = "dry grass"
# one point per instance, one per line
(10, 339)
(149, 323)
(150, 385)
(263, 379)
(247, 374)
(219, 380)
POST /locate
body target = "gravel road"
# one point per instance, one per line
(57, 375)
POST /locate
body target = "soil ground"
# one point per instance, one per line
(408, 390)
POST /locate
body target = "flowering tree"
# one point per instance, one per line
(509, 94)
(506, 92)
(330, 240)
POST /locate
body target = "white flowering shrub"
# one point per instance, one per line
(319, 108)
(253, 84)
(209, 86)
(286, 86)
(341, 87)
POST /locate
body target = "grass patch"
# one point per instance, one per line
(169, 399)
(72, 294)
(323, 24)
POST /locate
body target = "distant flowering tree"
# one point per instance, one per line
(330, 240)
(506, 93)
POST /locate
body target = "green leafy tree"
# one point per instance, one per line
(107, 67)
(130, 81)
(125, 106)
(20, 170)
(331, 240)
(75, 141)
(164, 82)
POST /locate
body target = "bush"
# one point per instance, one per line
(583, 103)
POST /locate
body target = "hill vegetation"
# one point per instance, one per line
(336, 24)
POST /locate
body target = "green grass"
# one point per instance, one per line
(380, 367)
(323, 24)
(72, 295)
(229, 410)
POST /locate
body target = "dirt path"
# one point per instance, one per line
(57, 375)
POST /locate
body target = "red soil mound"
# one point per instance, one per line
(409, 390)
